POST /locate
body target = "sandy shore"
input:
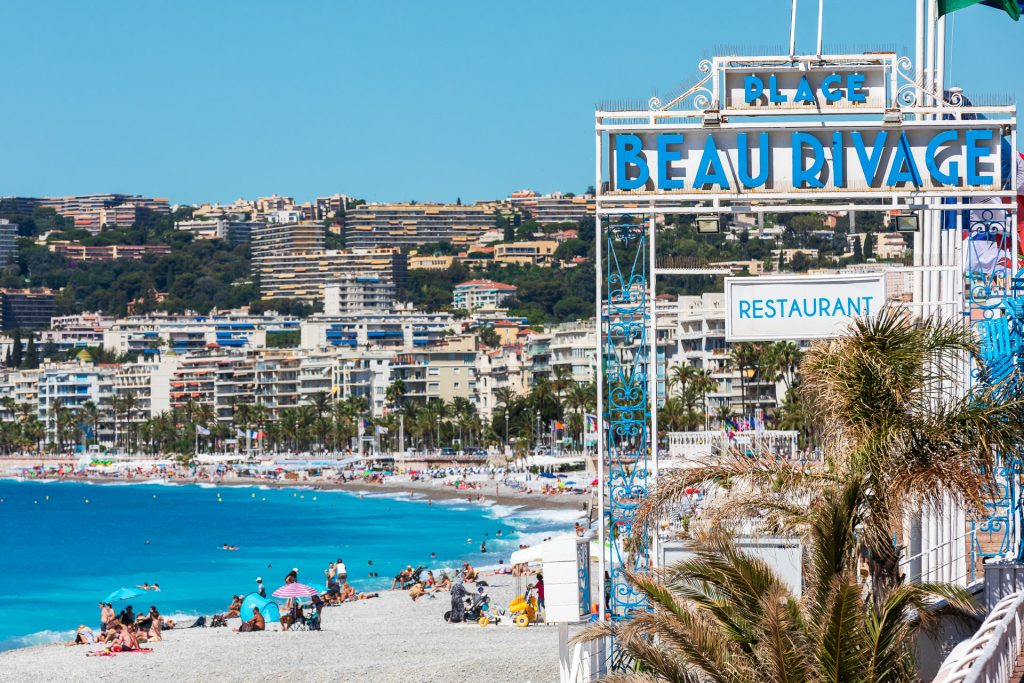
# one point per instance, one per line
(386, 639)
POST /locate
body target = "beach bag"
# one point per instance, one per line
(199, 623)
(218, 620)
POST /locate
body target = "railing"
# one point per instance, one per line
(954, 565)
(990, 656)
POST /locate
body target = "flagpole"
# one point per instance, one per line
(792, 31)
(821, 12)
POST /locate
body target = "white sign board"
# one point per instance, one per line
(799, 306)
(941, 156)
(794, 87)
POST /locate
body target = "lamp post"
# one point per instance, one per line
(506, 430)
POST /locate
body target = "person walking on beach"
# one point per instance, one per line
(293, 576)
(340, 571)
(261, 590)
(540, 591)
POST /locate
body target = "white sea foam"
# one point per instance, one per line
(37, 638)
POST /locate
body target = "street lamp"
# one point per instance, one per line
(506, 429)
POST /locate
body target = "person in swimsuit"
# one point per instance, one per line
(257, 623)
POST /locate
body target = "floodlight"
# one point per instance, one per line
(907, 222)
(712, 117)
(709, 224)
(893, 117)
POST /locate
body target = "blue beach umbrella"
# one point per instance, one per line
(122, 594)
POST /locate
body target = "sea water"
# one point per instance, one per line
(66, 546)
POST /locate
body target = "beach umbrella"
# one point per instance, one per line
(122, 594)
(295, 590)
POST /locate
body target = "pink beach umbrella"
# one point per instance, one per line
(295, 590)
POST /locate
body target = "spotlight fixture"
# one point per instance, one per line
(709, 224)
(907, 222)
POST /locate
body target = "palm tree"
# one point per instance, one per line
(321, 401)
(894, 437)
(746, 357)
(726, 616)
(89, 415)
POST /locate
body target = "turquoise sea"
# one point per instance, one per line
(67, 545)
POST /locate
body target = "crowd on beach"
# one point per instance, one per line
(123, 631)
(477, 478)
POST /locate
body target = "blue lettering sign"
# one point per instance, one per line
(711, 170)
(807, 176)
(744, 160)
(974, 154)
(629, 152)
(869, 162)
(665, 156)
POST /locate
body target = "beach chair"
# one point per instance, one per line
(296, 619)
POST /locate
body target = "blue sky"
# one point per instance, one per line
(212, 100)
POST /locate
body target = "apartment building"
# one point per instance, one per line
(291, 275)
(407, 225)
(474, 294)
(355, 293)
(29, 309)
(234, 231)
(66, 387)
(8, 241)
(537, 253)
(553, 208)
(699, 341)
(400, 329)
(93, 212)
(74, 251)
(443, 373)
(148, 383)
(270, 240)
(504, 368)
(573, 346)
(418, 262)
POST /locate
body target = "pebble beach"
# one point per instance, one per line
(386, 639)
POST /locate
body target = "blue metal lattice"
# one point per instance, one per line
(627, 407)
(996, 308)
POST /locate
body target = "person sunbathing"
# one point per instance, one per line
(402, 578)
(445, 583)
(257, 623)
(469, 573)
(83, 636)
(417, 592)
(347, 592)
(236, 605)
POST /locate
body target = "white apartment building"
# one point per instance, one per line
(69, 386)
(474, 294)
(148, 382)
(574, 346)
(504, 368)
(358, 293)
(699, 341)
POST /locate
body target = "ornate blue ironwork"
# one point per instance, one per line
(627, 408)
(995, 299)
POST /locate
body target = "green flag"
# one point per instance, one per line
(1011, 7)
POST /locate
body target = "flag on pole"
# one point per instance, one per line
(202, 431)
(1020, 201)
(559, 425)
(591, 423)
(382, 429)
(1014, 8)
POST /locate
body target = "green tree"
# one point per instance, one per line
(869, 246)
(15, 359)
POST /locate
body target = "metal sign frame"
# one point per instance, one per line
(627, 271)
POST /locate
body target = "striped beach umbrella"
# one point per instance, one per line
(295, 590)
